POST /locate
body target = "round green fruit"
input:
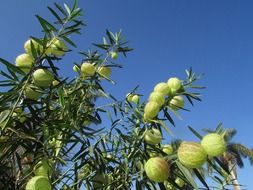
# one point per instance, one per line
(114, 55)
(38, 183)
(174, 84)
(151, 110)
(157, 97)
(88, 69)
(157, 169)
(42, 168)
(214, 144)
(163, 88)
(168, 185)
(153, 136)
(56, 47)
(36, 45)
(42, 78)
(135, 98)
(104, 71)
(176, 103)
(167, 149)
(32, 93)
(25, 62)
(191, 154)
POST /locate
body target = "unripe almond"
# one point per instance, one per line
(38, 183)
(151, 110)
(174, 84)
(213, 144)
(36, 45)
(135, 98)
(176, 103)
(167, 149)
(162, 88)
(56, 47)
(191, 154)
(153, 136)
(24, 62)
(157, 169)
(42, 77)
(88, 69)
(157, 97)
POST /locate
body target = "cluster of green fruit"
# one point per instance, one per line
(88, 69)
(42, 77)
(190, 154)
(42, 171)
(164, 92)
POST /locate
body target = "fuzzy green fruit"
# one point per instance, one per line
(114, 55)
(191, 154)
(157, 97)
(32, 93)
(42, 78)
(56, 47)
(157, 169)
(36, 45)
(168, 185)
(174, 84)
(87, 69)
(176, 103)
(163, 88)
(135, 98)
(153, 136)
(151, 110)
(104, 71)
(213, 144)
(167, 149)
(38, 183)
(25, 62)
(42, 168)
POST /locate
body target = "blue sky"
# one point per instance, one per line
(214, 37)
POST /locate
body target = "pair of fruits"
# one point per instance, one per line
(54, 47)
(194, 155)
(133, 98)
(88, 70)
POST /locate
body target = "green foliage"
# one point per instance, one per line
(60, 125)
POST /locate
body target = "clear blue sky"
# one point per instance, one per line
(214, 37)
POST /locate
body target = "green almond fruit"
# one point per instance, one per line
(25, 62)
(42, 78)
(163, 88)
(151, 110)
(157, 97)
(38, 183)
(214, 144)
(176, 103)
(88, 69)
(36, 45)
(153, 136)
(157, 169)
(174, 84)
(191, 154)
